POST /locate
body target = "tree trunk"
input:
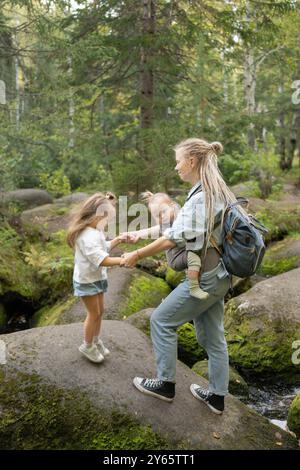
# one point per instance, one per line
(293, 138)
(250, 84)
(147, 81)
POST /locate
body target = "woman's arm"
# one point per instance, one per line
(161, 244)
(136, 235)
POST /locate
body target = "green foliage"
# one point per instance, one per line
(57, 184)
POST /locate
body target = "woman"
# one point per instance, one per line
(196, 163)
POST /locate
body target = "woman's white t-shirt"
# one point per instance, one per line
(90, 250)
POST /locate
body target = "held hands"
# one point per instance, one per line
(129, 237)
(129, 260)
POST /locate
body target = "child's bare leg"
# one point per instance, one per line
(100, 297)
(194, 265)
(96, 338)
(91, 323)
(88, 349)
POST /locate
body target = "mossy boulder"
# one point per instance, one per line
(173, 278)
(237, 385)
(280, 221)
(52, 398)
(53, 315)
(144, 291)
(282, 256)
(189, 351)
(16, 276)
(70, 199)
(262, 325)
(293, 420)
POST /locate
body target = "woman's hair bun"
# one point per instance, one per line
(217, 147)
(111, 197)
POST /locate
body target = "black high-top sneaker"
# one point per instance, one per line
(157, 388)
(214, 402)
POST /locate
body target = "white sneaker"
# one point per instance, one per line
(92, 353)
(102, 348)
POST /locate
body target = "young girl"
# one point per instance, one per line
(164, 211)
(86, 237)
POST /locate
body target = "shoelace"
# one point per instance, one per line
(153, 383)
(203, 393)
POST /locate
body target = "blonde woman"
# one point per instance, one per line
(86, 237)
(196, 163)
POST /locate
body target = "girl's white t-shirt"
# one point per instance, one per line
(90, 250)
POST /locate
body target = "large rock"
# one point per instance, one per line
(293, 420)
(52, 398)
(50, 218)
(129, 291)
(28, 197)
(74, 198)
(282, 256)
(262, 325)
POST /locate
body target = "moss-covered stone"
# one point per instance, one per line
(282, 256)
(257, 344)
(189, 350)
(173, 278)
(50, 315)
(293, 420)
(38, 416)
(237, 385)
(144, 291)
(16, 275)
(280, 223)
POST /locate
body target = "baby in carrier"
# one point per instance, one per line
(164, 211)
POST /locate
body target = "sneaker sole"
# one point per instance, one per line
(88, 357)
(214, 410)
(148, 392)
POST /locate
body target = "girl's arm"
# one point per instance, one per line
(112, 261)
(115, 241)
(161, 244)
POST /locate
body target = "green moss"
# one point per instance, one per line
(15, 275)
(173, 278)
(276, 260)
(273, 267)
(256, 345)
(145, 291)
(53, 262)
(293, 420)
(189, 350)
(279, 223)
(38, 416)
(237, 385)
(49, 315)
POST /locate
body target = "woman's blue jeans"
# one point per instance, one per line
(207, 315)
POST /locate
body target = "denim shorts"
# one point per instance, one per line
(90, 288)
